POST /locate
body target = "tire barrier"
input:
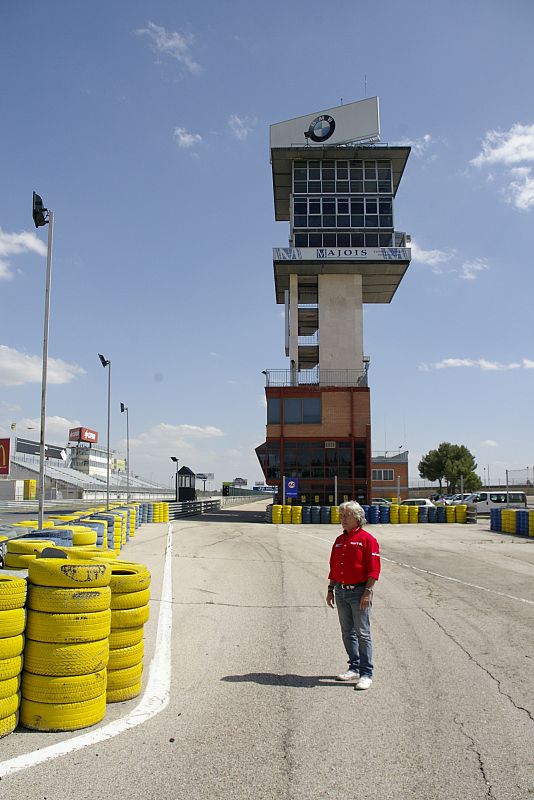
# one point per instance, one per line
(373, 515)
(277, 514)
(393, 514)
(12, 602)
(130, 595)
(514, 521)
(64, 678)
(384, 514)
(296, 515)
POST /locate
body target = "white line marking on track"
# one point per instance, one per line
(155, 698)
(429, 572)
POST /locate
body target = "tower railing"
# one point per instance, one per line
(315, 377)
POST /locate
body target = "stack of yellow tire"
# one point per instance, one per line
(286, 515)
(403, 514)
(277, 514)
(21, 552)
(334, 515)
(12, 624)
(296, 515)
(67, 644)
(394, 514)
(508, 520)
(32, 524)
(131, 520)
(450, 513)
(461, 513)
(157, 512)
(413, 513)
(130, 594)
(531, 523)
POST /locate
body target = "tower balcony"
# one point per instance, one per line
(381, 268)
(317, 377)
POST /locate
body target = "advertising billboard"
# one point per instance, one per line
(292, 487)
(83, 435)
(354, 122)
(5, 447)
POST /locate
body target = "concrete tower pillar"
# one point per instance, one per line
(340, 322)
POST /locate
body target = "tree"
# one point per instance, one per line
(450, 462)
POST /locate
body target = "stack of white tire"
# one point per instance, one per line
(12, 624)
(130, 595)
(67, 644)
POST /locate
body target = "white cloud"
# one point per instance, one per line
(471, 269)
(528, 363)
(511, 149)
(520, 191)
(507, 147)
(12, 244)
(18, 368)
(419, 146)
(476, 363)
(433, 258)
(488, 443)
(186, 139)
(172, 43)
(241, 127)
(56, 429)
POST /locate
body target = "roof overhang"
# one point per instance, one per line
(282, 160)
(380, 278)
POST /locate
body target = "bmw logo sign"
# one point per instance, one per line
(321, 129)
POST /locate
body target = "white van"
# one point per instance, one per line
(486, 500)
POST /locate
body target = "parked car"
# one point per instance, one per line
(484, 501)
(380, 501)
(417, 501)
(458, 499)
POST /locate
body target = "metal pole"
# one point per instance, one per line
(127, 458)
(45, 369)
(109, 423)
(462, 486)
(335, 490)
(398, 488)
(283, 490)
(176, 480)
(507, 497)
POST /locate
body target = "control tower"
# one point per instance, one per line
(335, 183)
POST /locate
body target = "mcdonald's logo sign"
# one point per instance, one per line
(4, 456)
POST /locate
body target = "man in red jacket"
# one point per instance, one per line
(354, 570)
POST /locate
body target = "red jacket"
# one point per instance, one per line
(355, 557)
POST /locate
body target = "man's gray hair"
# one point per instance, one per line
(354, 509)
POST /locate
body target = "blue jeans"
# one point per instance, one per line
(355, 629)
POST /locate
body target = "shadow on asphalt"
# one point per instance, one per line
(228, 515)
(289, 679)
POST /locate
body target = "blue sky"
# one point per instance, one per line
(144, 126)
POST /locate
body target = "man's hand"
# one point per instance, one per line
(365, 600)
(330, 598)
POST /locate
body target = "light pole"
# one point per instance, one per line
(42, 216)
(107, 363)
(173, 458)
(123, 409)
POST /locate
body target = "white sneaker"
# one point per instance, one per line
(364, 682)
(349, 675)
